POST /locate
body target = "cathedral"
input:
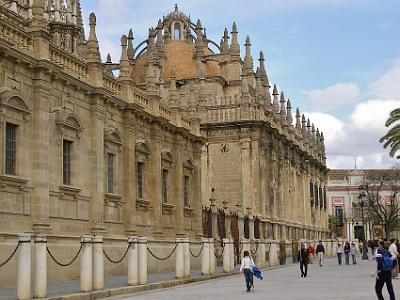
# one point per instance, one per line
(182, 137)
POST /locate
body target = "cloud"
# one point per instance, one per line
(388, 85)
(333, 96)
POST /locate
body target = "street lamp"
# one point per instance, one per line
(361, 198)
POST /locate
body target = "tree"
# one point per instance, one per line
(392, 137)
(382, 189)
(333, 221)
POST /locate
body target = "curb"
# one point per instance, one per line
(126, 290)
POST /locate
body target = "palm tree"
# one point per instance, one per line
(392, 137)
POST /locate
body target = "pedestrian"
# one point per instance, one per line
(310, 251)
(247, 266)
(320, 251)
(383, 272)
(353, 253)
(339, 252)
(347, 252)
(398, 251)
(302, 257)
(395, 255)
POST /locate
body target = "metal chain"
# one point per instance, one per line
(11, 256)
(196, 256)
(118, 260)
(162, 258)
(255, 251)
(62, 264)
(222, 252)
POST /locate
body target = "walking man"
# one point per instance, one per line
(339, 252)
(384, 272)
(302, 257)
(395, 255)
(320, 252)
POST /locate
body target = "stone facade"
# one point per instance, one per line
(196, 123)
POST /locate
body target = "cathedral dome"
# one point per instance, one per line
(180, 56)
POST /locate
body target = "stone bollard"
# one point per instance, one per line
(212, 256)
(186, 256)
(40, 271)
(98, 263)
(142, 260)
(205, 257)
(24, 285)
(273, 254)
(179, 259)
(227, 255)
(260, 255)
(86, 264)
(133, 278)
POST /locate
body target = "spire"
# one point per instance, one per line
(318, 140)
(199, 40)
(282, 110)
(93, 44)
(322, 144)
(248, 59)
(259, 87)
(245, 86)
(124, 61)
(303, 126)
(298, 119)
(275, 104)
(159, 42)
(289, 117)
(235, 47)
(263, 72)
(225, 42)
(108, 61)
(313, 134)
(130, 50)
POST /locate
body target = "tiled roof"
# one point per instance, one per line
(340, 174)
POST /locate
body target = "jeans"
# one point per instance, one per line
(248, 274)
(384, 277)
(320, 258)
(347, 257)
(339, 258)
(303, 268)
(354, 259)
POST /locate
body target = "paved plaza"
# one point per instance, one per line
(329, 282)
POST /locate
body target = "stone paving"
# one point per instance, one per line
(328, 282)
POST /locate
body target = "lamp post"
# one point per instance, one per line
(361, 198)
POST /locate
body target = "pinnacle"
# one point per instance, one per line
(297, 112)
(289, 105)
(261, 56)
(198, 25)
(130, 34)
(234, 28)
(275, 91)
(248, 40)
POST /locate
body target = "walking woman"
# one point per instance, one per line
(246, 266)
(339, 252)
(347, 253)
(353, 253)
(302, 257)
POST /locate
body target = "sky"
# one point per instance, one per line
(337, 60)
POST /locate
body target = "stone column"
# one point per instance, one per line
(96, 129)
(197, 189)
(205, 257)
(155, 179)
(24, 282)
(133, 278)
(179, 259)
(177, 187)
(245, 246)
(98, 263)
(273, 254)
(212, 256)
(129, 185)
(227, 255)
(186, 255)
(232, 255)
(142, 260)
(40, 273)
(86, 264)
(260, 255)
(251, 228)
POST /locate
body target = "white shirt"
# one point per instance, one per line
(247, 263)
(393, 250)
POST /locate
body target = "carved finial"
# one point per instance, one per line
(108, 61)
(289, 117)
(93, 45)
(298, 119)
(235, 47)
(248, 60)
(130, 50)
(176, 7)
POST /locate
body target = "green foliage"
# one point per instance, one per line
(392, 137)
(333, 221)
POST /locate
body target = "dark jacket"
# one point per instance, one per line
(346, 249)
(302, 256)
(320, 248)
(379, 258)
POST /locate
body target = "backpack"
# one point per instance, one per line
(387, 261)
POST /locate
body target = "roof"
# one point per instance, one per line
(340, 174)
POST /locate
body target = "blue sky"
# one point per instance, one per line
(338, 60)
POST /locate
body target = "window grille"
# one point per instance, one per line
(11, 148)
(110, 173)
(165, 186)
(186, 189)
(140, 179)
(67, 147)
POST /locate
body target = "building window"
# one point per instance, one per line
(186, 189)
(67, 147)
(139, 179)
(11, 148)
(165, 186)
(316, 195)
(110, 173)
(311, 194)
(177, 31)
(339, 214)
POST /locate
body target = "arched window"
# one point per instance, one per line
(177, 31)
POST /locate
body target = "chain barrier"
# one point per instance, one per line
(222, 252)
(118, 260)
(162, 258)
(11, 256)
(255, 251)
(60, 263)
(201, 249)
